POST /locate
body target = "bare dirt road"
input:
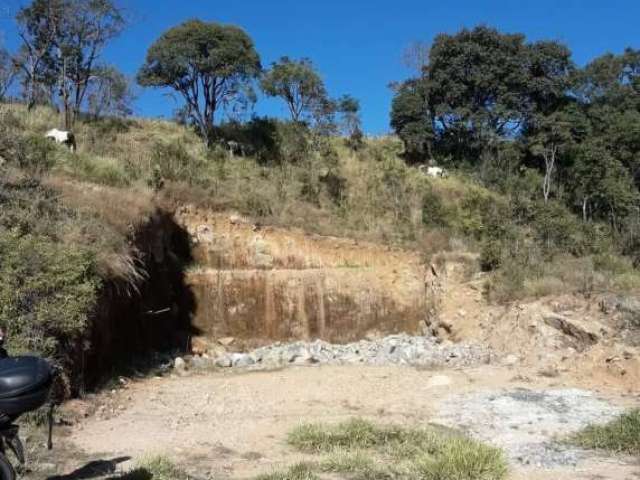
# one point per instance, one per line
(234, 424)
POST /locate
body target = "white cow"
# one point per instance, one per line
(62, 137)
(434, 172)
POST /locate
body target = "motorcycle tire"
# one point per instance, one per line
(7, 471)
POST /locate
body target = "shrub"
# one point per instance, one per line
(491, 255)
(434, 213)
(172, 161)
(621, 435)
(46, 291)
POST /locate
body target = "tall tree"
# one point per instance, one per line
(38, 27)
(8, 72)
(87, 26)
(602, 184)
(110, 93)
(551, 137)
(479, 88)
(412, 120)
(209, 64)
(298, 83)
(349, 109)
(477, 81)
(62, 44)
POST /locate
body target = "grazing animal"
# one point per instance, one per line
(434, 172)
(62, 137)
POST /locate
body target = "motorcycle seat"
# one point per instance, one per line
(21, 376)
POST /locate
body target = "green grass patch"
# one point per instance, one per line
(299, 471)
(621, 435)
(365, 451)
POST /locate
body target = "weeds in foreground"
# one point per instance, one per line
(299, 471)
(366, 451)
(154, 468)
(621, 435)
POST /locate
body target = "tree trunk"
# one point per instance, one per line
(549, 161)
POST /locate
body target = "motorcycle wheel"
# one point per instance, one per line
(6, 469)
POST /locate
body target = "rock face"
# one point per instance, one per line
(275, 285)
(571, 328)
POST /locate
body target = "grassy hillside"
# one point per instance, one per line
(67, 220)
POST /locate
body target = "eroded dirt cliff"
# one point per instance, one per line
(265, 283)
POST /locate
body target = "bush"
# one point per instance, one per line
(172, 161)
(491, 255)
(434, 213)
(46, 292)
(508, 283)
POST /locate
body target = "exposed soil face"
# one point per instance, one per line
(266, 284)
(235, 424)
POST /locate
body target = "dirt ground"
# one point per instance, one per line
(234, 425)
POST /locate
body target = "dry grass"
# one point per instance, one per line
(622, 435)
(368, 451)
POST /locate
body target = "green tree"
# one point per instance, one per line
(349, 109)
(110, 93)
(38, 26)
(298, 83)
(479, 87)
(62, 44)
(412, 120)
(209, 64)
(87, 26)
(8, 72)
(550, 136)
(477, 81)
(602, 185)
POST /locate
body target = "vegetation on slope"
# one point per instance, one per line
(81, 210)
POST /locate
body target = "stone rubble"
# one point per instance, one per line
(392, 350)
(521, 421)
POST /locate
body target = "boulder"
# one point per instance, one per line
(571, 328)
(179, 364)
(241, 360)
(224, 362)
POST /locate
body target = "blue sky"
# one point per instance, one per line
(357, 45)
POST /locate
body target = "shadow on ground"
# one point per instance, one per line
(102, 468)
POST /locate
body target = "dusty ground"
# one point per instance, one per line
(235, 424)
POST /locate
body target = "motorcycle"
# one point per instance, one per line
(25, 386)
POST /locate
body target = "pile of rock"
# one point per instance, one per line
(392, 350)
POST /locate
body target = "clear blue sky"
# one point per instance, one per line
(357, 44)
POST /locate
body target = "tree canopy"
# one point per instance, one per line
(62, 44)
(209, 64)
(480, 92)
(298, 84)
